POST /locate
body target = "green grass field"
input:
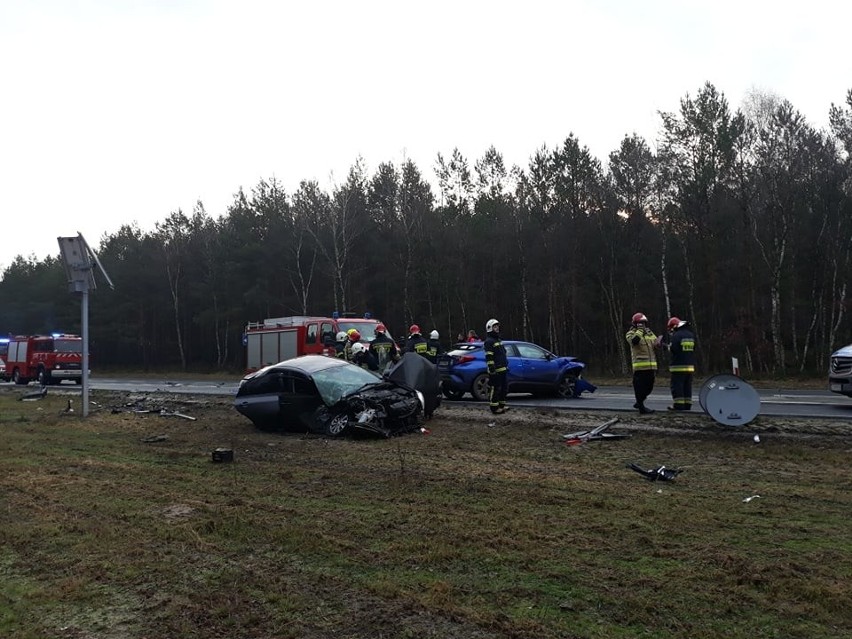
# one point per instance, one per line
(482, 528)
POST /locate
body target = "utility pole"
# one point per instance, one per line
(79, 260)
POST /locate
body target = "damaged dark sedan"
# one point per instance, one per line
(328, 396)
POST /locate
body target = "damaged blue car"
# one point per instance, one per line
(532, 369)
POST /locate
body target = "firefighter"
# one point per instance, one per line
(383, 348)
(416, 343)
(498, 367)
(644, 359)
(433, 347)
(352, 338)
(340, 343)
(682, 364)
(361, 356)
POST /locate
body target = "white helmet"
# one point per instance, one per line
(434, 335)
(490, 324)
(341, 336)
(358, 347)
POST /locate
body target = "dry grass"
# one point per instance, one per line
(483, 528)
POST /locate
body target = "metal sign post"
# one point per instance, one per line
(78, 258)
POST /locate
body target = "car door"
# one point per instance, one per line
(537, 367)
(299, 399)
(259, 398)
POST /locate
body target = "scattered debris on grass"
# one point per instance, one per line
(223, 455)
(660, 473)
(35, 395)
(573, 439)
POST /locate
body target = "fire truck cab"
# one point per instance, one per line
(278, 338)
(46, 358)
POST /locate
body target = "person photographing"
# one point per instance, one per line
(643, 358)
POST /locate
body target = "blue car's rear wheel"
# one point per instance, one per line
(481, 389)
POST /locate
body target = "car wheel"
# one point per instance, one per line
(335, 426)
(451, 393)
(481, 389)
(43, 377)
(567, 386)
(16, 377)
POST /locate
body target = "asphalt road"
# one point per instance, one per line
(775, 402)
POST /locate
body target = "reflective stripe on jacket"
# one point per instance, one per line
(683, 351)
(495, 354)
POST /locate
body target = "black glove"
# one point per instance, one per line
(636, 339)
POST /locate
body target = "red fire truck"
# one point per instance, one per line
(278, 338)
(46, 358)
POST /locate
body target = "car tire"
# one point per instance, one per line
(481, 389)
(451, 393)
(336, 425)
(567, 387)
(20, 381)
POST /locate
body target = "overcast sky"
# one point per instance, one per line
(116, 112)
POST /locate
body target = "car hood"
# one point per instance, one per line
(846, 351)
(415, 371)
(566, 360)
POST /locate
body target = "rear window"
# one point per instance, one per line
(462, 349)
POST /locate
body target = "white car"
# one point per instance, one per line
(840, 371)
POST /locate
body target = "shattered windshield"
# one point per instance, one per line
(339, 381)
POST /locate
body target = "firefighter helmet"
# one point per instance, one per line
(354, 335)
(414, 329)
(380, 328)
(639, 318)
(490, 324)
(358, 347)
(434, 335)
(674, 322)
(341, 336)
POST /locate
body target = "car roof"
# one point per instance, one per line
(310, 364)
(472, 345)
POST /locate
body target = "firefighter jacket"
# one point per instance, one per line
(347, 351)
(366, 359)
(642, 343)
(340, 349)
(384, 350)
(432, 350)
(495, 354)
(416, 344)
(682, 349)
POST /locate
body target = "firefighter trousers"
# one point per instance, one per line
(499, 383)
(681, 385)
(643, 384)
